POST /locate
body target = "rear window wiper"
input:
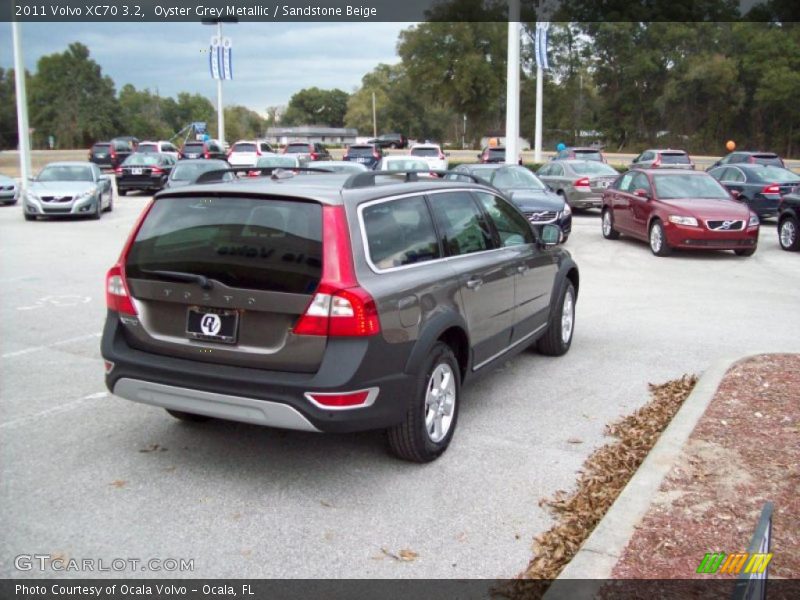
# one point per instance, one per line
(201, 280)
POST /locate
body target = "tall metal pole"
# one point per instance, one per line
(537, 137)
(22, 107)
(220, 109)
(374, 118)
(512, 85)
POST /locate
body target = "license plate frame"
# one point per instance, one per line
(136, 171)
(225, 331)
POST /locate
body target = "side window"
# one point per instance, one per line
(400, 232)
(736, 158)
(646, 156)
(734, 174)
(511, 226)
(640, 182)
(461, 224)
(624, 182)
(544, 171)
(264, 148)
(720, 174)
(556, 170)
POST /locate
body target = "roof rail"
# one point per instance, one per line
(367, 179)
(274, 172)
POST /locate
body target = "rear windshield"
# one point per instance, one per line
(767, 159)
(142, 160)
(593, 168)
(101, 147)
(405, 164)
(297, 148)
(276, 161)
(425, 152)
(244, 148)
(191, 171)
(589, 154)
(199, 147)
(775, 174)
(360, 151)
(268, 245)
(147, 148)
(674, 158)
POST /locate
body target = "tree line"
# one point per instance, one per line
(629, 85)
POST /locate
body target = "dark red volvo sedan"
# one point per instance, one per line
(678, 209)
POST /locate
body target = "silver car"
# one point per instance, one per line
(68, 188)
(580, 182)
(9, 191)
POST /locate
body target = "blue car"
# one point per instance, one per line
(369, 155)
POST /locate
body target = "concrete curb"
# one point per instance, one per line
(604, 547)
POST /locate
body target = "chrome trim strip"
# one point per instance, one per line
(222, 406)
(371, 396)
(517, 343)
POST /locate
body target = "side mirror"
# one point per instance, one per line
(550, 235)
(640, 193)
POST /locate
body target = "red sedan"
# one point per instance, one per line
(678, 209)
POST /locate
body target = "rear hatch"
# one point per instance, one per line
(194, 150)
(361, 154)
(225, 279)
(101, 153)
(243, 154)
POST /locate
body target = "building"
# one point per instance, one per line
(312, 133)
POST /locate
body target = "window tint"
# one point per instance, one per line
(297, 148)
(556, 170)
(734, 174)
(674, 158)
(646, 156)
(101, 147)
(265, 148)
(544, 171)
(461, 224)
(400, 232)
(774, 174)
(247, 243)
(511, 226)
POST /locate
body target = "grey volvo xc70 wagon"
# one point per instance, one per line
(330, 302)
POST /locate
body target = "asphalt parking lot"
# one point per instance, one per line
(87, 475)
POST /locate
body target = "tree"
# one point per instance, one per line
(143, 114)
(72, 100)
(241, 123)
(313, 106)
(8, 110)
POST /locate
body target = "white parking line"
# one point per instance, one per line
(53, 411)
(80, 338)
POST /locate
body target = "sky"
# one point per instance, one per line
(271, 61)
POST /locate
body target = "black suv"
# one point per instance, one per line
(331, 302)
(789, 222)
(110, 155)
(390, 140)
(210, 149)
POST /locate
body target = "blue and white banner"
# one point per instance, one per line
(220, 60)
(540, 44)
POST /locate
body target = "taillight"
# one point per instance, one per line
(657, 161)
(485, 157)
(118, 171)
(751, 159)
(583, 182)
(207, 154)
(118, 296)
(253, 173)
(441, 155)
(156, 171)
(376, 156)
(343, 399)
(314, 156)
(339, 306)
(773, 188)
(258, 151)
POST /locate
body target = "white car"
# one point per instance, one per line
(402, 163)
(432, 154)
(9, 192)
(158, 148)
(245, 153)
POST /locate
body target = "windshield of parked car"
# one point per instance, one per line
(773, 174)
(276, 161)
(671, 187)
(433, 152)
(66, 173)
(517, 177)
(141, 160)
(593, 168)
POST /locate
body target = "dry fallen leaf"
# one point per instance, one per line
(408, 555)
(574, 441)
(118, 483)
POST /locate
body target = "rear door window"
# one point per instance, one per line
(268, 245)
(461, 223)
(400, 232)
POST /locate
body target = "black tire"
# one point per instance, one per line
(608, 228)
(664, 249)
(122, 192)
(95, 216)
(11, 203)
(789, 234)
(564, 238)
(552, 343)
(410, 439)
(29, 217)
(745, 252)
(188, 417)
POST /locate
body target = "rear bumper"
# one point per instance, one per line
(579, 199)
(141, 184)
(273, 398)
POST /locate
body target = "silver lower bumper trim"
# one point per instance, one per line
(221, 406)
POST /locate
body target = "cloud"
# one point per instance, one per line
(272, 61)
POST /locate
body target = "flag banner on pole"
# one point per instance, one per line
(227, 63)
(213, 58)
(540, 45)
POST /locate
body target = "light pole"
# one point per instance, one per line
(220, 108)
(512, 85)
(22, 108)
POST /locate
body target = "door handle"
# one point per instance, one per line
(475, 283)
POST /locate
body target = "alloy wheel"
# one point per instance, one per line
(567, 316)
(440, 401)
(788, 234)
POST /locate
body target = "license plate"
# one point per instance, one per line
(136, 171)
(361, 160)
(100, 155)
(604, 184)
(212, 324)
(192, 155)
